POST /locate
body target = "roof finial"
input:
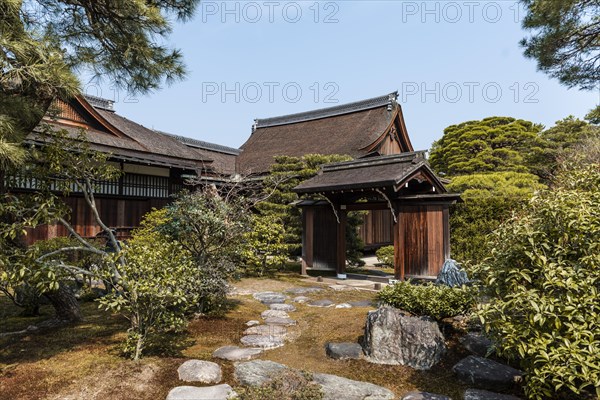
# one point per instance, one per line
(254, 126)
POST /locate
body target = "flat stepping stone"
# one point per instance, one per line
(256, 373)
(339, 288)
(274, 314)
(424, 396)
(267, 330)
(344, 351)
(270, 297)
(483, 373)
(262, 341)
(200, 371)
(476, 394)
(219, 392)
(280, 321)
(252, 323)
(344, 305)
(301, 299)
(282, 307)
(321, 303)
(337, 388)
(235, 353)
(361, 303)
(304, 290)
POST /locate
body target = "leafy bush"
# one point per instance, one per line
(286, 385)
(385, 255)
(543, 280)
(159, 284)
(265, 250)
(436, 301)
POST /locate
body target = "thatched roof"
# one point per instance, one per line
(348, 129)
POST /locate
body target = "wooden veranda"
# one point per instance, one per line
(404, 185)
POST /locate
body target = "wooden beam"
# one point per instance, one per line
(341, 244)
(308, 214)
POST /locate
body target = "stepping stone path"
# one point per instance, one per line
(301, 299)
(274, 314)
(219, 392)
(282, 307)
(339, 288)
(200, 371)
(424, 396)
(267, 330)
(262, 341)
(235, 353)
(280, 321)
(321, 303)
(344, 351)
(269, 297)
(304, 290)
(344, 305)
(361, 303)
(252, 323)
(484, 373)
(476, 394)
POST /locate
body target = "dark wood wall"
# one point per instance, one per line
(319, 241)
(377, 229)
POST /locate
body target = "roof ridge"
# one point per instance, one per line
(100, 102)
(202, 144)
(341, 109)
(417, 156)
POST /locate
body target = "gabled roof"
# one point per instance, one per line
(371, 173)
(350, 129)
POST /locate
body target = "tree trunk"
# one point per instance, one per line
(65, 304)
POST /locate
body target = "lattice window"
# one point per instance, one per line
(145, 186)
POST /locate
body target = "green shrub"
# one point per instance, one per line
(436, 301)
(286, 385)
(543, 280)
(385, 255)
(265, 250)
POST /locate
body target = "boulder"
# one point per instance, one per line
(282, 307)
(344, 351)
(452, 274)
(262, 341)
(280, 321)
(256, 373)
(395, 338)
(484, 373)
(321, 303)
(274, 314)
(476, 343)
(424, 396)
(300, 299)
(200, 371)
(269, 297)
(235, 353)
(304, 290)
(336, 388)
(219, 392)
(476, 394)
(267, 330)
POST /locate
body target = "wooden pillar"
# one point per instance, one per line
(398, 247)
(308, 219)
(341, 245)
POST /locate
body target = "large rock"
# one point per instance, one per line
(200, 371)
(424, 396)
(282, 307)
(337, 388)
(269, 297)
(344, 351)
(267, 330)
(274, 314)
(256, 373)
(452, 274)
(219, 392)
(235, 353)
(262, 341)
(476, 394)
(476, 343)
(484, 373)
(394, 338)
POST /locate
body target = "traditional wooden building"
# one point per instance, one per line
(154, 166)
(365, 128)
(402, 186)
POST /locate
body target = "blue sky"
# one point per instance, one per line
(451, 61)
